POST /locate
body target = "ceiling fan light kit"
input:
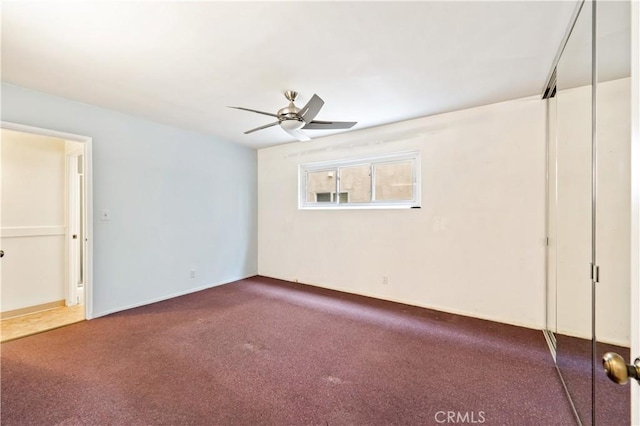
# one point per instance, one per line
(293, 119)
(292, 124)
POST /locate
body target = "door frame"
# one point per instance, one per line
(88, 197)
(635, 205)
(75, 222)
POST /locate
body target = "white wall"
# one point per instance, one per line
(477, 245)
(33, 219)
(178, 200)
(71, 146)
(573, 212)
(551, 265)
(613, 218)
(612, 213)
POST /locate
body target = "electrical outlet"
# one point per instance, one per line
(192, 273)
(385, 280)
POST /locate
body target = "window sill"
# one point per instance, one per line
(362, 207)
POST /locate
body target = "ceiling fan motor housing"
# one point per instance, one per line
(289, 116)
(289, 112)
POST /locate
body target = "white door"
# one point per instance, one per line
(635, 203)
(74, 235)
(618, 107)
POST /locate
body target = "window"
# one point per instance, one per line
(329, 197)
(387, 181)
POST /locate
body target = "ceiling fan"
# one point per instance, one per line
(293, 119)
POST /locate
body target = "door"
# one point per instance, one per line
(75, 237)
(573, 214)
(34, 221)
(635, 201)
(596, 216)
(617, 316)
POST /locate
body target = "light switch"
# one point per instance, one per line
(105, 215)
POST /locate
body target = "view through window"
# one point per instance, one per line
(389, 181)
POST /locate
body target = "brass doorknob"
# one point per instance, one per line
(618, 370)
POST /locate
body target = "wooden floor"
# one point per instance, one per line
(37, 322)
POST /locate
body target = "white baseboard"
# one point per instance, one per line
(420, 305)
(616, 342)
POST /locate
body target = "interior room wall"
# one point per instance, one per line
(476, 247)
(573, 212)
(71, 146)
(552, 211)
(612, 213)
(33, 227)
(177, 200)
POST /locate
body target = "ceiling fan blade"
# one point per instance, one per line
(297, 134)
(261, 127)
(311, 109)
(253, 110)
(327, 125)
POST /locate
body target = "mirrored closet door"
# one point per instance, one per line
(612, 214)
(573, 214)
(588, 215)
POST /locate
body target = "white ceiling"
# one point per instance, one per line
(182, 63)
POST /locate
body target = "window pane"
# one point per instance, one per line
(394, 181)
(320, 186)
(323, 197)
(352, 183)
(355, 184)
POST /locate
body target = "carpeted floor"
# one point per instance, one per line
(263, 351)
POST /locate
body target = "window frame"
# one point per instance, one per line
(336, 165)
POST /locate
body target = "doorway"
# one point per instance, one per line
(46, 229)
